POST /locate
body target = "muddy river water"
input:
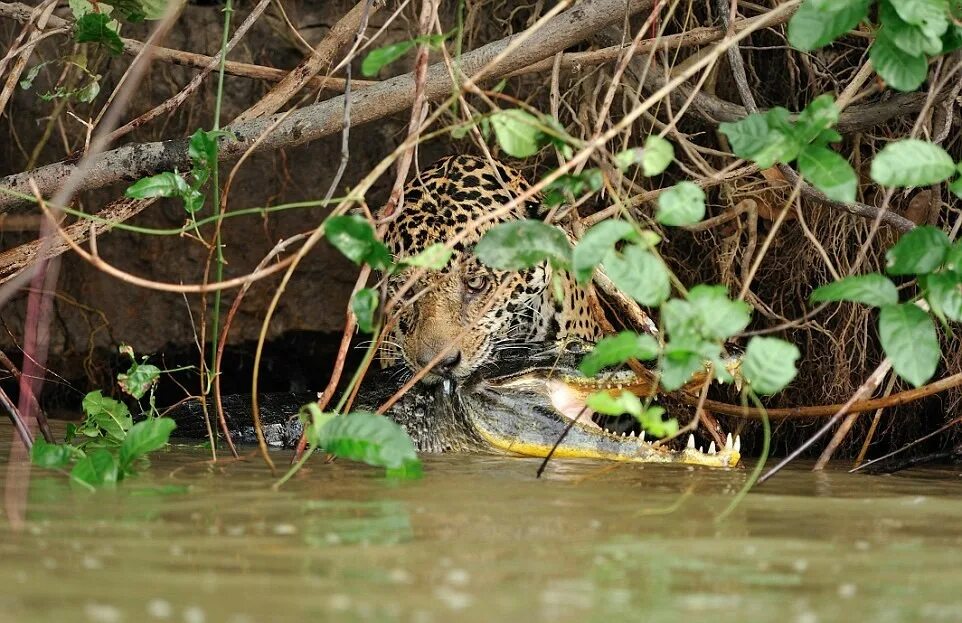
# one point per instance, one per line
(481, 539)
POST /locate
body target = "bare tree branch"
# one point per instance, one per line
(132, 162)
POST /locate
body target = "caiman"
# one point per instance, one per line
(526, 406)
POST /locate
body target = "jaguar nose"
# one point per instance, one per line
(446, 365)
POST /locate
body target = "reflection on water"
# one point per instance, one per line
(480, 539)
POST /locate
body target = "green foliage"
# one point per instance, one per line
(943, 291)
(872, 289)
(639, 273)
(907, 332)
(911, 33)
(771, 137)
(140, 377)
(519, 133)
(654, 157)
(696, 329)
(433, 257)
(617, 349)
(910, 341)
(364, 305)
(622, 401)
(901, 70)
(144, 437)
(202, 149)
(598, 242)
(99, 28)
(50, 455)
(912, 162)
(381, 57)
(829, 172)
(372, 439)
(107, 446)
(558, 191)
(354, 237)
(514, 245)
(682, 204)
(919, 251)
(819, 22)
(85, 93)
(769, 364)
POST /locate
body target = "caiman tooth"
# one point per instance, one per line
(701, 449)
(728, 442)
(632, 434)
(641, 436)
(711, 448)
(691, 441)
(738, 443)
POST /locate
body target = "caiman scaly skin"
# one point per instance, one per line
(523, 407)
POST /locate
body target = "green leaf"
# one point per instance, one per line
(769, 364)
(166, 184)
(522, 244)
(193, 201)
(518, 132)
(147, 436)
(900, 70)
(588, 180)
(944, 294)
(139, 378)
(596, 243)
(765, 138)
(373, 439)
(910, 39)
(657, 154)
(27, 80)
(98, 469)
(364, 305)
(50, 455)
(872, 289)
(639, 274)
(110, 415)
(912, 162)
(202, 149)
(355, 238)
(820, 115)
(678, 366)
(153, 9)
(614, 402)
(651, 420)
(956, 187)
(816, 24)
(617, 349)
(718, 317)
(909, 339)
(381, 57)
(829, 172)
(953, 259)
(919, 251)
(434, 257)
(682, 204)
(931, 16)
(97, 28)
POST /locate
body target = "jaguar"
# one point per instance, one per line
(461, 317)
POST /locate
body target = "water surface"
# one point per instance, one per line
(481, 539)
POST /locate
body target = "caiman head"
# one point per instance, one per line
(530, 411)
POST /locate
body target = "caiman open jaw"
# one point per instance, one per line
(528, 413)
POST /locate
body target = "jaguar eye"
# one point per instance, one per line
(477, 283)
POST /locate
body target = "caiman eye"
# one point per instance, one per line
(476, 283)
